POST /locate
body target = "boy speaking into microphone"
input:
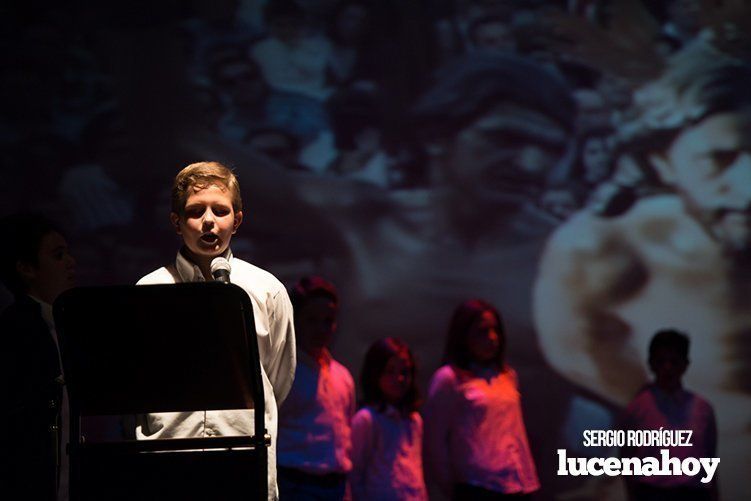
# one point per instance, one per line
(206, 212)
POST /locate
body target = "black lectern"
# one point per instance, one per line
(162, 348)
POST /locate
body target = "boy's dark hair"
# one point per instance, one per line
(457, 351)
(26, 231)
(310, 287)
(672, 339)
(376, 359)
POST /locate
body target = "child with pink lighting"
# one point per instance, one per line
(387, 431)
(666, 405)
(314, 424)
(475, 440)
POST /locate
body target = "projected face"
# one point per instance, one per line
(242, 81)
(505, 153)
(351, 23)
(494, 36)
(710, 166)
(596, 159)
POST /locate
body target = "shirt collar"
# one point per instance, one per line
(189, 271)
(676, 396)
(392, 412)
(486, 372)
(46, 312)
(325, 359)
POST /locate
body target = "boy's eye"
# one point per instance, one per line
(194, 211)
(221, 211)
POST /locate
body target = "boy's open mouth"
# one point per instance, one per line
(209, 238)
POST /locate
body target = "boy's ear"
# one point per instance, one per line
(26, 270)
(175, 220)
(237, 221)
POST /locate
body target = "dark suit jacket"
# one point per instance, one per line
(32, 394)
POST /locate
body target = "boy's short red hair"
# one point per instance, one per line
(201, 175)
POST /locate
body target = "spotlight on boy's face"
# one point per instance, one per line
(315, 324)
(208, 221)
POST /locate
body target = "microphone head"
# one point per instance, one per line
(220, 269)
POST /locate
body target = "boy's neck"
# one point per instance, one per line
(40, 294)
(203, 263)
(669, 387)
(318, 354)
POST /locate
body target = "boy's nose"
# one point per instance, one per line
(208, 218)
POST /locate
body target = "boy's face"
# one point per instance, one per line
(668, 366)
(54, 271)
(209, 221)
(316, 323)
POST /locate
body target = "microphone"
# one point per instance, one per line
(220, 269)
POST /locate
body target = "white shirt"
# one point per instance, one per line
(314, 424)
(387, 456)
(272, 311)
(475, 433)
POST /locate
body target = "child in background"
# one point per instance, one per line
(314, 424)
(387, 431)
(475, 440)
(36, 266)
(665, 404)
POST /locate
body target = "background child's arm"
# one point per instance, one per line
(362, 450)
(437, 414)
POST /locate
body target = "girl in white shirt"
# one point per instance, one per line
(387, 431)
(475, 440)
